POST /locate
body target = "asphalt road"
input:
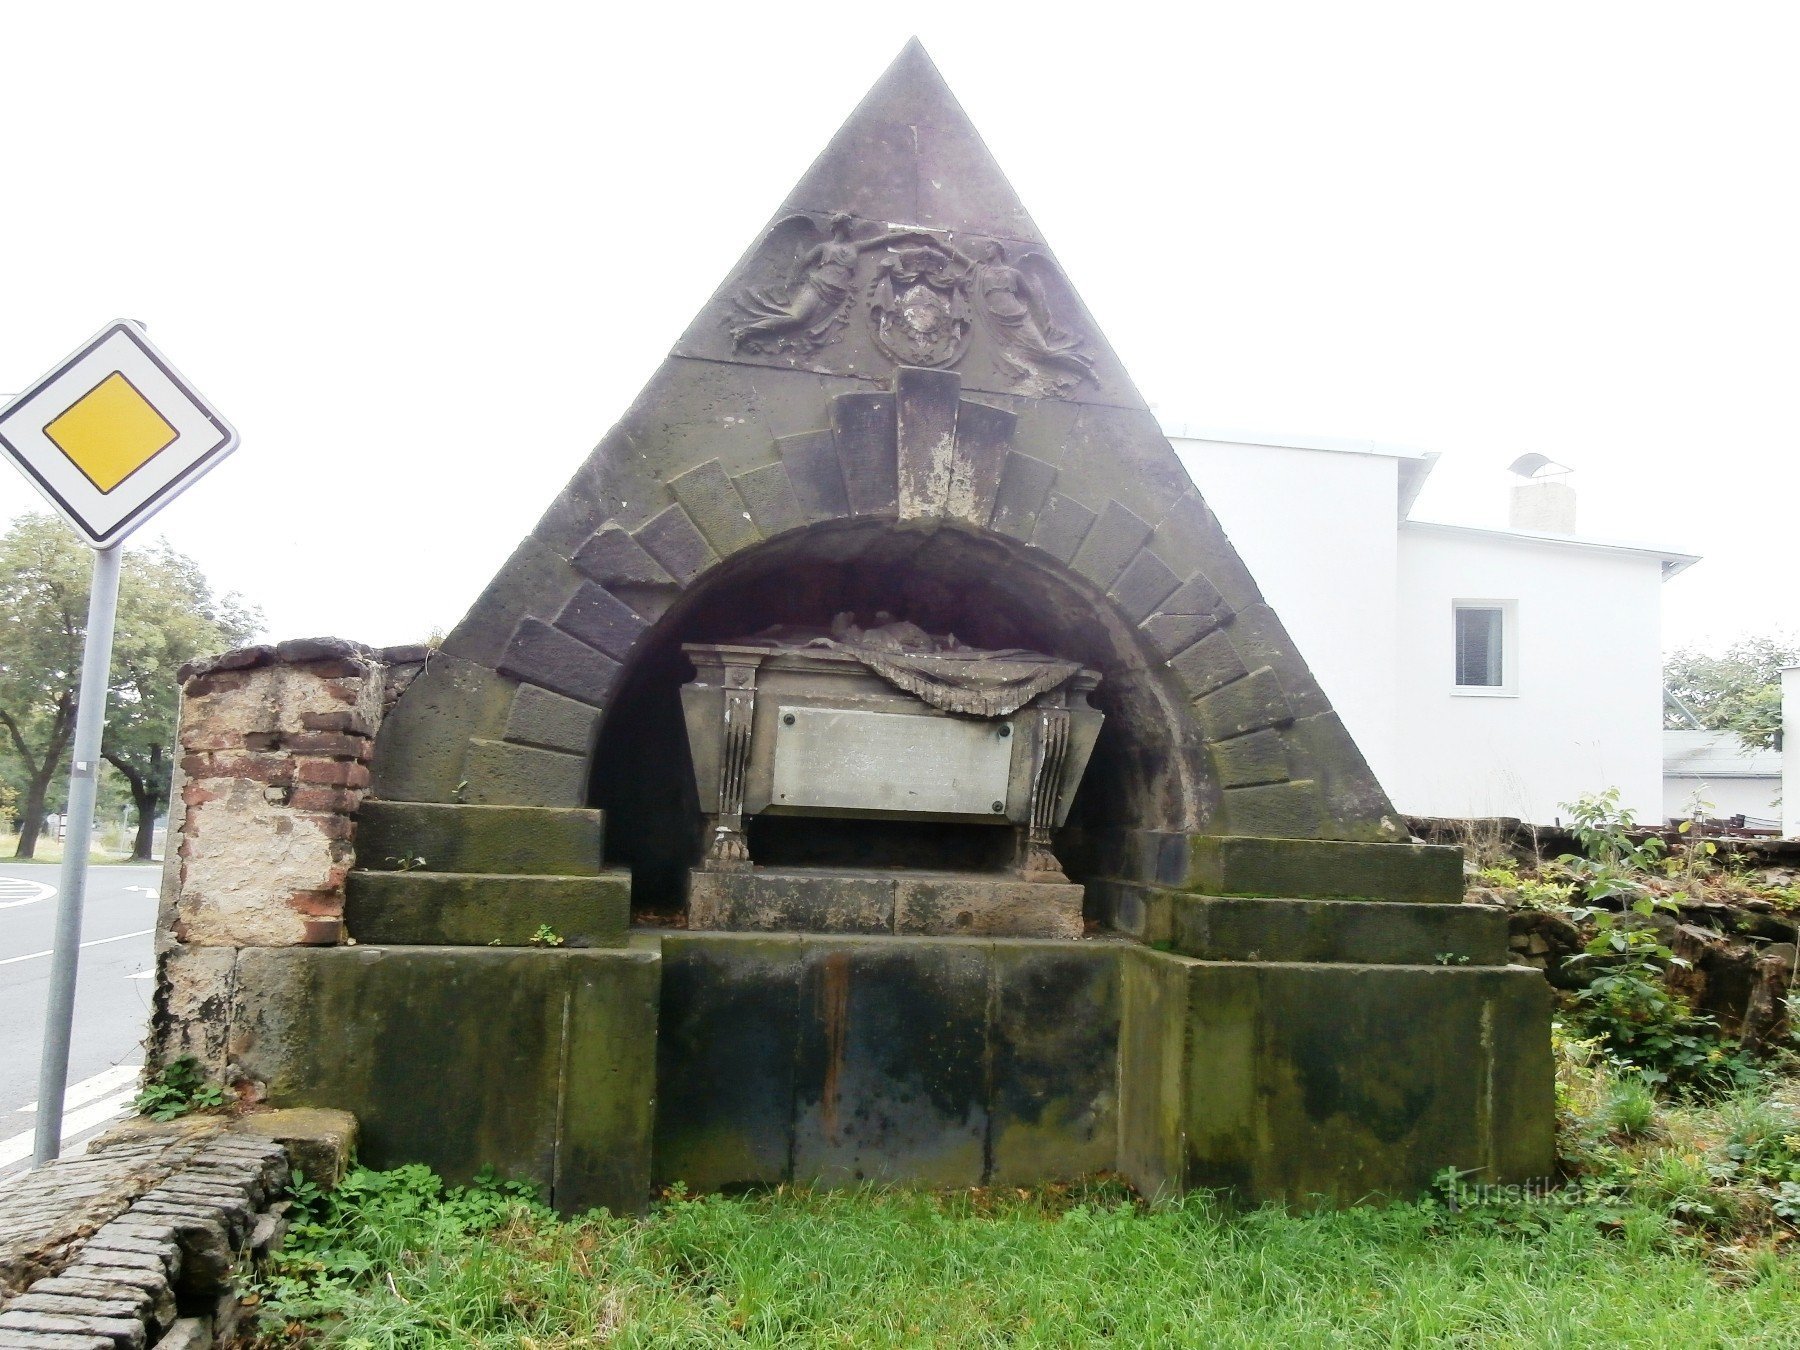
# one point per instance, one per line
(112, 995)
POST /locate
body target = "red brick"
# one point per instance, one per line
(329, 743)
(354, 723)
(336, 667)
(268, 768)
(218, 682)
(341, 801)
(334, 772)
(319, 904)
(196, 737)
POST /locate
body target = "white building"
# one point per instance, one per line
(1790, 751)
(1715, 768)
(1483, 671)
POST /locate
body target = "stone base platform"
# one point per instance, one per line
(866, 900)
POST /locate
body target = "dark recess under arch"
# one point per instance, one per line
(982, 587)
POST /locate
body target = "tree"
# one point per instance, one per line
(43, 615)
(1739, 691)
(167, 615)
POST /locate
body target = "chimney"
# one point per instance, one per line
(1545, 501)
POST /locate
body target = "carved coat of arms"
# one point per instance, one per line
(924, 297)
(919, 303)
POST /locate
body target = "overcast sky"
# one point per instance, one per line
(424, 256)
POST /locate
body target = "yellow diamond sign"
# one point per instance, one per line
(112, 434)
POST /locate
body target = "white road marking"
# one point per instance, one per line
(140, 975)
(15, 892)
(20, 1146)
(102, 1083)
(142, 890)
(97, 942)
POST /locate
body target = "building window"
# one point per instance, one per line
(1484, 642)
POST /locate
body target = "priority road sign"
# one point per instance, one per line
(113, 434)
(108, 437)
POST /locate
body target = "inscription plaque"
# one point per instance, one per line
(838, 758)
(817, 726)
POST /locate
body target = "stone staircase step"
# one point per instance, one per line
(1317, 869)
(427, 909)
(1238, 928)
(501, 840)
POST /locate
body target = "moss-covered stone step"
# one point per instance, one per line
(1315, 869)
(1298, 1082)
(1372, 932)
(509, 840)
(460, 909)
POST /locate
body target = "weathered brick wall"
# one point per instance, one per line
(274, 748)
(275, 744)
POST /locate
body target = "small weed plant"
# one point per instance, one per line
(1627, 1005)
(1527, 892)
(373, 1221)
(1611, 864)
(177, 1088)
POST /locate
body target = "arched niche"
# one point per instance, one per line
(990, 591)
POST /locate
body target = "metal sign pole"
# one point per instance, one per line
(90, 723)
(109, 437)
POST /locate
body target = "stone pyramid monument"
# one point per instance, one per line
(900, 349)
(894, 417)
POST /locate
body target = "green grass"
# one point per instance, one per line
(51, 850)
(396, 1269)
(1679, 1226)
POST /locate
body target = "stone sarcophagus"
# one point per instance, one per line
(887, 724)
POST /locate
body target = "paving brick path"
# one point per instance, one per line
(137, 1244)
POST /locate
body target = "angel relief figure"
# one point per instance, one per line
(1015, 305)
(803, 312)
